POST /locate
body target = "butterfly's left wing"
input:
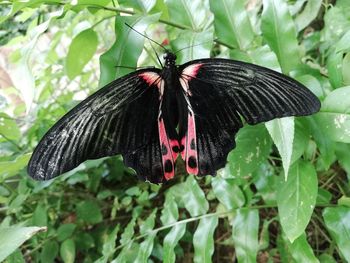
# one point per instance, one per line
(218, 92)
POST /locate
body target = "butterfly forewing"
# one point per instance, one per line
(119, 118)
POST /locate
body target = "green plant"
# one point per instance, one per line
(284, 193)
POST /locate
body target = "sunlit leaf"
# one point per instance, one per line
(67, 251)
(80, 52)
(279, 31)
(337, 220)
(12, 237)
(245, 228)
(171, 240)
(228, 193)
(194, 198)
(282, 134)
(296, 198)
(203, 240)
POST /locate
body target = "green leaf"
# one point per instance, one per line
(278, 29)
(12, 168)
(343, 45)
(308, 14)
(67, 251)
(89, 211)
(334, 118)
(81, 51)
(301, 139)
(108, 247)
(232, 25)
(346, 69)
(12, 237)
(245, 228)
(49, 251)
(195, 45)
(253, 147)
(148, 224)
(170, 242)
(282, 134)
(170, 212)
(337, 220)
(126, 49)
(296, 199)
(40, 215)
(194, 198)
(65, 231)
(334, 67)
(301, 250)
(203, 239)
(190, 14)
(228, 193)
(145, 248)
(9, 129)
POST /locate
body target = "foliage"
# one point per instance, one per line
(284, 194)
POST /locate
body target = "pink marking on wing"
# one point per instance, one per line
(168, 156)
(191, 71)
(187, 74)
(191, 138)
(183, 153)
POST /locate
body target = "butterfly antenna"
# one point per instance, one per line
(192, 46)
(146, 37)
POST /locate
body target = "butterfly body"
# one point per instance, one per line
(152, 116)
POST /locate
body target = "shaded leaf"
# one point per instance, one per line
(49, 251)
(67, 251)
(253, 147)
(89, 212)
(301, 250)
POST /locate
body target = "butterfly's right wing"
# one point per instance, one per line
(120, 118)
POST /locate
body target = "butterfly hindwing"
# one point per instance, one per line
(121, 118)
(219, 90)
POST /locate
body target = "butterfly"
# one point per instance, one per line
(151, 116)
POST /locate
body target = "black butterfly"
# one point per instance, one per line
(151, 115)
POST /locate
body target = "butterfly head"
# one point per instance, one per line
(169, 58)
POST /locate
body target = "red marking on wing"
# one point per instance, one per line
(168, 155)
(190, 154)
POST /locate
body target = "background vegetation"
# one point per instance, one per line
(284, 193)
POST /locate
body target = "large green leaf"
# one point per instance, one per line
(282, 134)
(191, 14)
(245, 229)
(337, 220)
(203, 239)
(126, 49)
(194, 198)
(253, 147)
(80, 52)
(334, 118)
(89, 212)
(12, 237)
(278, 29)
(170, 242)
(232, 25)
(170, 212)
(145, 248)
(296, 198)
